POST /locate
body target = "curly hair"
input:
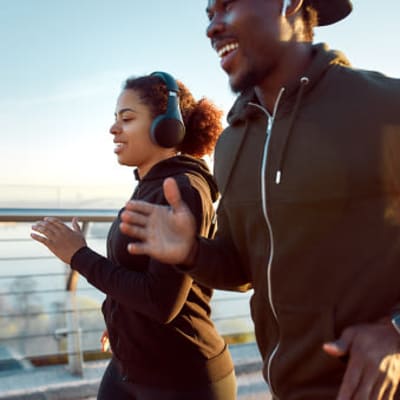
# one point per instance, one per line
(202, 119)
(310, 18)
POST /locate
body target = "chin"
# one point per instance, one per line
(121, 161)
(246, 80)
(242, 83)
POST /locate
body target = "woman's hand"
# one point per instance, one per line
(105, 342)
(61, 240)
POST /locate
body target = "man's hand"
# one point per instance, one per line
(373, 369)
(61, 240)
(165, 233)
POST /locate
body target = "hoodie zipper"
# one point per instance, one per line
(271, 119)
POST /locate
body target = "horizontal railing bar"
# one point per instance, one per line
(15, 240)
(41, 275)
(224, 299)
(65, 214)
(28, 258)
(232, 317)
(53, 335)
(49, 334)
(46, 356)
(44, 291)
(9, 240)
(39, 313)
(83, 310)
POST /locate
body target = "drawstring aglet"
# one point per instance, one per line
(278, 177)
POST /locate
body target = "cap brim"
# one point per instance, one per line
(331, 11)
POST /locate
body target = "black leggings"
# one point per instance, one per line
(112, 387)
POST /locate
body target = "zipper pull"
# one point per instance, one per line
(278, 177)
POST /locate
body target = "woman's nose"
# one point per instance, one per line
(114, 128)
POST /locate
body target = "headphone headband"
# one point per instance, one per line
(168, 79)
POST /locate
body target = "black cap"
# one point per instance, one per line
(330, 11)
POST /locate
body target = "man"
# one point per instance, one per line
(309, 216)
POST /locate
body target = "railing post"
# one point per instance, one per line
(74, 339)
(74, 346)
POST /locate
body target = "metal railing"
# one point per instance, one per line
(48, 315)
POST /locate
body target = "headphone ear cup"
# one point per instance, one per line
(166, 131)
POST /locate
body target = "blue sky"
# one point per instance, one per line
(63, 61)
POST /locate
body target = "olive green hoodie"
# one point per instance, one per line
(310, 217)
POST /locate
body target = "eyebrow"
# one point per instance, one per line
(124, 110)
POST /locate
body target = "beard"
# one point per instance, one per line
(249, 79)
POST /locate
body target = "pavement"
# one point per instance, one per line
(57, 383)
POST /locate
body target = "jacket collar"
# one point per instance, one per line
(322, 59)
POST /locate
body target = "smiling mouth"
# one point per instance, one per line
(223, 51)
(118, 146)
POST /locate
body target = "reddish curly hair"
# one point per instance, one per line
(202, 118)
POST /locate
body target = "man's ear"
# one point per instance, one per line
(291, 7)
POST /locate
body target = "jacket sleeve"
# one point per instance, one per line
(217, 263)
(159, 292)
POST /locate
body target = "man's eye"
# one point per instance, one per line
(227, 3)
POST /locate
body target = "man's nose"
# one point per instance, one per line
(215, 26)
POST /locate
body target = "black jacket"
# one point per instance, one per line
(158, 318)
(320, 246)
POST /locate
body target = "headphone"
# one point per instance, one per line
(168, 130)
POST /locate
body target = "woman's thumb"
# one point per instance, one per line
(75, 224)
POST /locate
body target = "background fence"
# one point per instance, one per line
(48, 315)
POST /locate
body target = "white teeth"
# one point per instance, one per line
(227, 48)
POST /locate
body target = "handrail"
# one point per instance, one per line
(65, 214)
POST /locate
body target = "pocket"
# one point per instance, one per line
(299, 358)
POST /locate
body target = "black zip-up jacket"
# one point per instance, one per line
(310, 217)
(158, 319)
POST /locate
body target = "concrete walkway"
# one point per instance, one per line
(56, 383)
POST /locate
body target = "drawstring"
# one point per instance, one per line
(304, 82)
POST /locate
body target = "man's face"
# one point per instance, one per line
(246, 36)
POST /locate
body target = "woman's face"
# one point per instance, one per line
(131, 130)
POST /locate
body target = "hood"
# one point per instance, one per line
(322, 59)
(290, 98)
(178, 165)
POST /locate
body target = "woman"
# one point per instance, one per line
(164, 343)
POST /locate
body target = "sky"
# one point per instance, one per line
(62, 63)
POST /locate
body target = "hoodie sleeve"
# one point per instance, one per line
(159, 292)
(217, 263)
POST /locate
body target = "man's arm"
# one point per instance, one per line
(168, 234)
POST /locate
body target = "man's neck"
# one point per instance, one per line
(289, 70)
